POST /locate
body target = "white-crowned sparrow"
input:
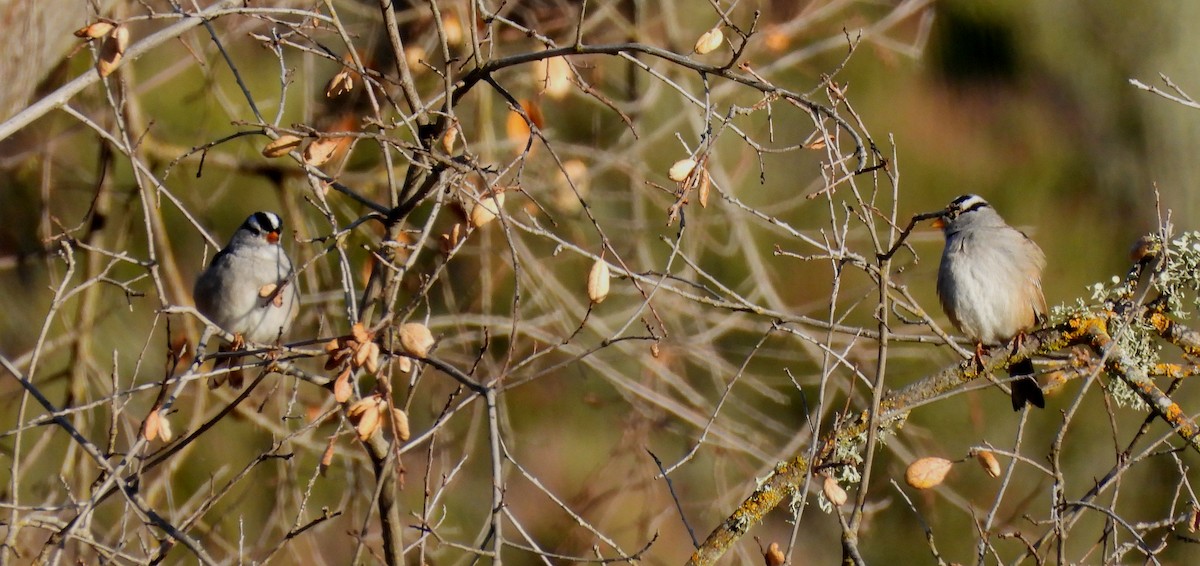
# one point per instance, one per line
(990, 284)
(248, 289)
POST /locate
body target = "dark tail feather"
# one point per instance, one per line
(1025, 389)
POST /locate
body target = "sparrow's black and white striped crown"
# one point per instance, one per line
(263, 222)
(966, 203)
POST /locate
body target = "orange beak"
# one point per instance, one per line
(939, 222)
(273, 237)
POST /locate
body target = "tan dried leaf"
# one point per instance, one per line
(680, 169)
(339, 84)
(774, 556)
(416, 339)
(164, 429)
(927, 472)
(1194, 519)
(451, 136)
(401, 420)
(152, 426)
(321, 150)
(368, 424)
(834, 492)
(120, 35)
(487, 209)
(597, 281)
(705, 188)
(111, 51)
(266, 290)
(710, 40)
(363, 354)
(282, 145)
(372, 363)
(360, 333)
(404, 363)
(342, 390)
(989, 462)
(655, 350)
(327, 457)
(358, 408)
(95, 30)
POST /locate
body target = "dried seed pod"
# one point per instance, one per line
(360, 333)
(705, 188)
(356, 409)
(774, 556)
(342, 390)
(405, 364)
(164, 429)
(152, 426)
(451, 136)
(266, 290)
(282, 145)
(339, 84)
(487, 209)
(597, 282)
(401, 420)
(368, 424)
(834, 492)
(709, 41)
(363, 353)
(680, 169)
(111, 50)
(321, 150)
(927, 472)
(989, 463)
(120, 35)
(327, 457)
(372, 362)
(416, 339)
(655, 350)
(95, 30)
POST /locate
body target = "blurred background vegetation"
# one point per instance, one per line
(1028, 104)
